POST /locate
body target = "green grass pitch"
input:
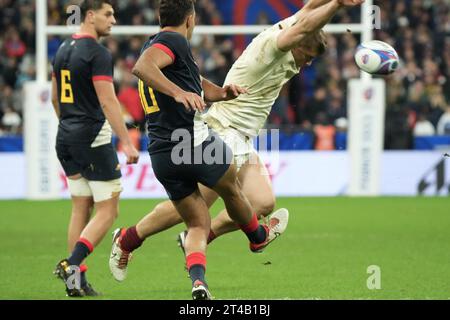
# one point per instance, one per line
(324, 254)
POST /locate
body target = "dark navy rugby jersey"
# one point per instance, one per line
(164, 115)
(79, 62)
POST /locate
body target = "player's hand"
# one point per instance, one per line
(350, 3)
(131, 153)
(232, 91)
(191, 101)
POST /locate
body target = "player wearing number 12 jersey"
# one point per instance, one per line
(183, 151)
(87, 108)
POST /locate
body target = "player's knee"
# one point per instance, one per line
(167, 209)
(198, 223)
(264, 208)
(108, 210)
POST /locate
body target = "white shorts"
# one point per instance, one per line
(99, 190)
(241, 144)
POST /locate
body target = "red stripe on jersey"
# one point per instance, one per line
(102, 78)
(165, 49)
(83, 36)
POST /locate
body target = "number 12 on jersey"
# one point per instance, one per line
(148, 99)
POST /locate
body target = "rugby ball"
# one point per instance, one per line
(376, 57)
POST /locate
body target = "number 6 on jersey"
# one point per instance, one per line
(66, 87)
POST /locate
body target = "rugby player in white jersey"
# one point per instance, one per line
(272, 59)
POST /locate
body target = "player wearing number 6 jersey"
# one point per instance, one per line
(87, 108)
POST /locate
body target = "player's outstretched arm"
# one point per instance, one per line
(214, 93)
(311, 19)
(314, 4)
(111, 108)
(55, 100)
(148, 69)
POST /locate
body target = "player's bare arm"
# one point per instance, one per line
(311, 19)
(55, 101)
(214, 93)
(112, 110)
(148, 69)
(314, 4)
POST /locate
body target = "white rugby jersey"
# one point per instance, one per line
(263, 69)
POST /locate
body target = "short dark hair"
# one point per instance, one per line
(172, 13)
(87, 5)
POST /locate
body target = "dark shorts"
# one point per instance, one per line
(94, 164)
(180, 171)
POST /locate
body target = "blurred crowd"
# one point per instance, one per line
(418, 97)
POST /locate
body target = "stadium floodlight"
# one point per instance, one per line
(364, 155)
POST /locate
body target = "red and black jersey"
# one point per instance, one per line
(79, 62)
(164, 115)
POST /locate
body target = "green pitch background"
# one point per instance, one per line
(324, 254)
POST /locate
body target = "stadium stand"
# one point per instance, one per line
(418, 95)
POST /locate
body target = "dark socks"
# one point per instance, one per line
(197, 273)
(257, 236)
(82, 249)
(196, 264)
(255, 232)
(83, 279)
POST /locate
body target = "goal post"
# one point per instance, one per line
(43, 31)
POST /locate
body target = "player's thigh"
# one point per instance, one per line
(105, 190)
(256, 185)
(108, 208)
(228, 185)
(194, 211)
(216, 166)
(111, 203)
(178, 180)
(100, 170)
(208, 194)
(82, 205)
(80, 191)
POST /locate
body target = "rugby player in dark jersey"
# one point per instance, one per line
(181, 145)
(87, 108)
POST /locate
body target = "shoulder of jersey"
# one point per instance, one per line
(174, 36)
